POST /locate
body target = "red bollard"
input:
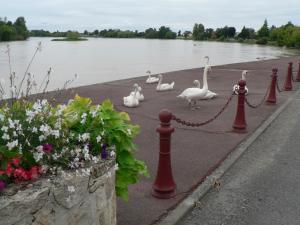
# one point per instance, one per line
(298, 75)
(240, 125)
(288, 80)
(164, 185)
(271, 100)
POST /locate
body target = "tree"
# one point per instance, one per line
(244, 34)
(73, 35)
(179, 33)
(264, 31)
(151, 33)
(96, 32)
(21, 29)
(198, 32)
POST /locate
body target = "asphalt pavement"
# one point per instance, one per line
(263, 186)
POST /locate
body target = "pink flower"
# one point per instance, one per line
(47, 148)
(16, 161)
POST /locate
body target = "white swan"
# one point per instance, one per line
(195, 93)
(209, 94)
(236, 86)
(164, 87)
(139, 94)
(151, 80)
(132, 100)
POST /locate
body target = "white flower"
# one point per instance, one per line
(95, 159)
(42, 138)
(15, 134)
(12, 144)
(71, 189)
(30, 115)
(94, 113)
(55, 133)
(2, 117)
(44, 102)
(98, 138)
(39, 148)
(87, 156)
(112, 154)
(55, 156)
(34, 130)
(5, 136)
(4, 128)
(38, 155)
(129, 131)
(84, 137)
(11, 123)
(44, 128)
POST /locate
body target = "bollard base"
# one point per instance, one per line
(270, 102)
(163, 195)
(239, 130)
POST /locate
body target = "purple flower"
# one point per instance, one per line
(47, 148)
(104, 152)
(2, 185)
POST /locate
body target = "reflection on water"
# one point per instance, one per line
(99, 60)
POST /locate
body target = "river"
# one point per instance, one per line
(99, 60)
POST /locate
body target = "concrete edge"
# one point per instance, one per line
(174, 216)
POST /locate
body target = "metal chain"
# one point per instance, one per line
(191, 124)
(260, 103)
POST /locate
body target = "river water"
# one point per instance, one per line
(99, 60)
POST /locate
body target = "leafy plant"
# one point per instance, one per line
(44, 139)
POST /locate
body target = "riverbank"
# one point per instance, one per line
(196, 152)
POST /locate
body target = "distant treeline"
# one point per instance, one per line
(10, 31)
(162, 33)
(285, 35)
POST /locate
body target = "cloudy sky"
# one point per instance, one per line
(141, 14)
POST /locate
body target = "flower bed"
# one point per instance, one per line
(38, 139)
(66, 198)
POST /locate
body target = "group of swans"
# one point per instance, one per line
(192, 94)
(136, 95)
(197, 93)
(160, 86)
(134, 98)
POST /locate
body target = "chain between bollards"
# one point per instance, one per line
(260, 103)
(191, 124)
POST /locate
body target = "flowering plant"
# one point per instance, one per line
(38, 138)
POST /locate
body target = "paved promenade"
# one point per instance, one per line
(196, 152)
(263, 187)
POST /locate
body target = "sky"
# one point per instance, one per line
(139, 15)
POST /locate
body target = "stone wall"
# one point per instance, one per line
(67, 199)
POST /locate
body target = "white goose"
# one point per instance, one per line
(151, 80)
(236, 86)
(209, 94)
(164, 87)
(132, 100)
(195, 93)
(139, 94)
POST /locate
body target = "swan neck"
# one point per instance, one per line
(205, 85)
